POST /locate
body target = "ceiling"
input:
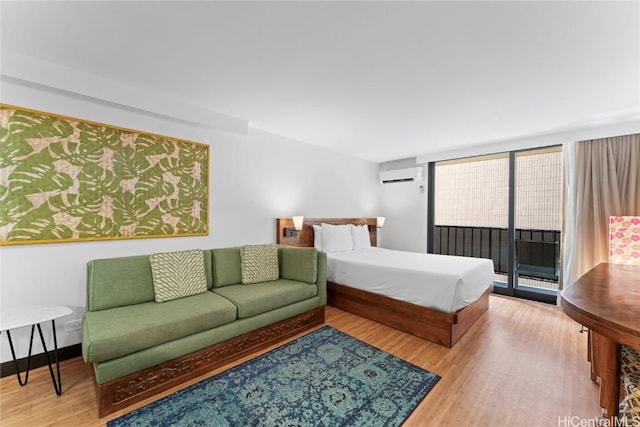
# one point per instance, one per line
(376, 80)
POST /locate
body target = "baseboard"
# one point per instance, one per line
(39, 360)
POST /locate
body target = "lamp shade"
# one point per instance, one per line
(380, 221)
(297, 222)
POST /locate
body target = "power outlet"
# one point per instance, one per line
(74, 325)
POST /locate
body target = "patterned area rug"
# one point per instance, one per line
(323, 378)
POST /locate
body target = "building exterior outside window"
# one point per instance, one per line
(472, 200)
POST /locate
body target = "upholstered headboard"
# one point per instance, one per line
(304, 237)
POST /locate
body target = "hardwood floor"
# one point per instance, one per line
(521, 364)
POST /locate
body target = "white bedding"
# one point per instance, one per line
(443, 282)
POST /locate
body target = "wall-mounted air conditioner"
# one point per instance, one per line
(401, 175)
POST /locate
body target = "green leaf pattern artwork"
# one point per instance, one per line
(64, 179)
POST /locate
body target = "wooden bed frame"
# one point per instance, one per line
(433, 325)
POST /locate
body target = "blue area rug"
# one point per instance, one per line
(323, 378)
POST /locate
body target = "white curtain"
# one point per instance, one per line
(602, 179)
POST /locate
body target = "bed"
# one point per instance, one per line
(435, 297)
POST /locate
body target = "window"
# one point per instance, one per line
(477, 213)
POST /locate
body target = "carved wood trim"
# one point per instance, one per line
(125, 391)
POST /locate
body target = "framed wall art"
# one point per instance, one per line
(66, 180)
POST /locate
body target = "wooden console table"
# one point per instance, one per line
(607, 301)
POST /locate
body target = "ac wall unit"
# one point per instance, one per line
(401, 175)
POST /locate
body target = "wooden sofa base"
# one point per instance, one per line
(433, 325)
(125, 391)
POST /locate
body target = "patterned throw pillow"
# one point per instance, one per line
(178, 274)
(630, 373)
(630, 410)
(259, 263)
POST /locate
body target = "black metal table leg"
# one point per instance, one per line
(56, 385)
(15, 361)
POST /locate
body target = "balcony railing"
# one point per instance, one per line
(489, 242)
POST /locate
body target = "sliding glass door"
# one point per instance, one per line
(538, 220)
(472, 207)
(505, 207)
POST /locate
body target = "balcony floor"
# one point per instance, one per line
(533, 283)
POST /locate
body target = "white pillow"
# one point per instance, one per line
(360, 236)
(317, 237)
(336, 238)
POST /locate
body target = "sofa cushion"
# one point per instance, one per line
(259, 263)
(299, 264)
(263, 297)
(116, 282)
(108, 334)
(119, 282)
(178, 274)
(226, 267)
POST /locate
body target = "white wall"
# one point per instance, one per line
(404, 205)
(255, 178)
(405, 208)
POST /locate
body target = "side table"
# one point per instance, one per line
(19, 317)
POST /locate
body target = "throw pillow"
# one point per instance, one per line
(630, 373)
(361, 238)
(317, 237)
(259, 263)
(299, 264)
(336, 238)
(178, 274)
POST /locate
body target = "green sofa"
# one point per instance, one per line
(139, 347)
